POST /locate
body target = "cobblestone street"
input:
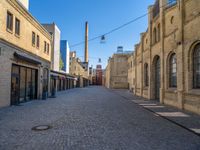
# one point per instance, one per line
(92, 118)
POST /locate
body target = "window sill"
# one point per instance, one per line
(18, 36)
(172, 90)
(155, 43)
(194, 92)
(10, 31)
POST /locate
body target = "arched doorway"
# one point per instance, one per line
(157, 77)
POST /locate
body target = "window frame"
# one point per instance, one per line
(45, 47)
(48, 48)
(9, 21)
(154, 35)
(17, 28)
(37, 41)
(196, 61)
(172, 63)
(33, 38)
(158, 32)
(146, 75)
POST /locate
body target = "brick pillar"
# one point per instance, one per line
(150, 17)
(180, 57)
(162, 34)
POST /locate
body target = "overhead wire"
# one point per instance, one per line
(121, 26)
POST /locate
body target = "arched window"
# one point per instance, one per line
(146, 75)
(154, 36)
(158, 32)
(196, 67)
(173, 71)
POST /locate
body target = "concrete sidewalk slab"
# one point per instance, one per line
(185, 119)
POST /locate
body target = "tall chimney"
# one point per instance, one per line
(86, 42)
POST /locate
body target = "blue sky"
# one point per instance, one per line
(102, 15)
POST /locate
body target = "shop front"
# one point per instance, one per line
(23, 84)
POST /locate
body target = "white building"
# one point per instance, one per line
(55, 55)
(25, 3)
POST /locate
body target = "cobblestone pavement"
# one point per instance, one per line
(92, 118)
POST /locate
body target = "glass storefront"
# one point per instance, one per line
(27, 84)
(22, 83)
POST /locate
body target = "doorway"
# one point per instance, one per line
(23, 84)
(15, 85)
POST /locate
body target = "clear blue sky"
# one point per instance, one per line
(102, 15)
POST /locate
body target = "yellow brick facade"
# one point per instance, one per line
(31, 57)
(173, 30)
(28, 25)
(117, 72)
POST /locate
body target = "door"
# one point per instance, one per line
(157, 79)
(29, 89)
(15, 85)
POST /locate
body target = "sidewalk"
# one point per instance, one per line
(182, 118)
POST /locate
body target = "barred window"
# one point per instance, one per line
(173, 71)
(146, 74)
(196, 67)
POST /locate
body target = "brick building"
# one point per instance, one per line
(25, 55)
(97, 76)
(117, 70)
(78, 69)
(166, 61)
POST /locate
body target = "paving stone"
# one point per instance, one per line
(92, 118)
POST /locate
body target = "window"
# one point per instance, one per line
(156, 8)
(38, 41)
(171, 2)
(172, 20)
(146, 75)
(48, 48)
(154, 35)
(17, 26)
(196, 67)
(33, 38)
(45, 46)
(158, 32)
(173, 71)
(9, 21)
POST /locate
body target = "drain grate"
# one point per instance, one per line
(41, 128)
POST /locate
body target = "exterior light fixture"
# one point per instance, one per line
(103, 39)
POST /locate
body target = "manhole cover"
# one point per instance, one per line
(41, 128)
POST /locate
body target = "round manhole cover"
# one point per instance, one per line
(41, 128)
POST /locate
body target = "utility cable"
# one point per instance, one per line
(122, 26)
